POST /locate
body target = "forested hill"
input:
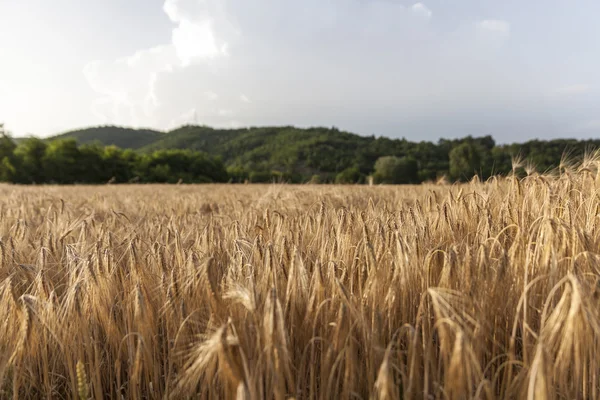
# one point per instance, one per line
(330, 155)
(125, 138)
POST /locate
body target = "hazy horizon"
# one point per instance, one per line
(419, 70)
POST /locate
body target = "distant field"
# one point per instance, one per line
(275, 291)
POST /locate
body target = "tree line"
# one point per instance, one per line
(318, 155)
(34, 160)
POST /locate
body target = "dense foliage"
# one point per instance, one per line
(126, 138)
(266, 154)
(64, 161)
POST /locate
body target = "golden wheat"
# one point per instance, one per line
(484, 290)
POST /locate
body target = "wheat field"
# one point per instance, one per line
(483, 290)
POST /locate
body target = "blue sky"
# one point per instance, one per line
(420, 70)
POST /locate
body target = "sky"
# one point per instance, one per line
(515, 70)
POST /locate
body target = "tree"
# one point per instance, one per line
(92, 168)
(62, 162)
(395, 170)
(238, 173)
(465, 161)
(7, 157)
(7, 144)
(30, 154)
(170, 166)
(261, 177)
(118, 164)
(7, 170)
(349, 175)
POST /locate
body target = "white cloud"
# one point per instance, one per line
(127, 85)
(195, 40)
(270, 62)
(421, 10)
(579, 88)
(496, 26)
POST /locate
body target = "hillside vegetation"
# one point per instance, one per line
(486, 291)
(125, 138)
(65, 161)
(263, 154)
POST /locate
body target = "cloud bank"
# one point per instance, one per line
(422, 10)
(347, 63)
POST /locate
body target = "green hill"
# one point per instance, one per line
(193, 137)
(262, 154)
(126, 138)
(299, 154)
(294, 152)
